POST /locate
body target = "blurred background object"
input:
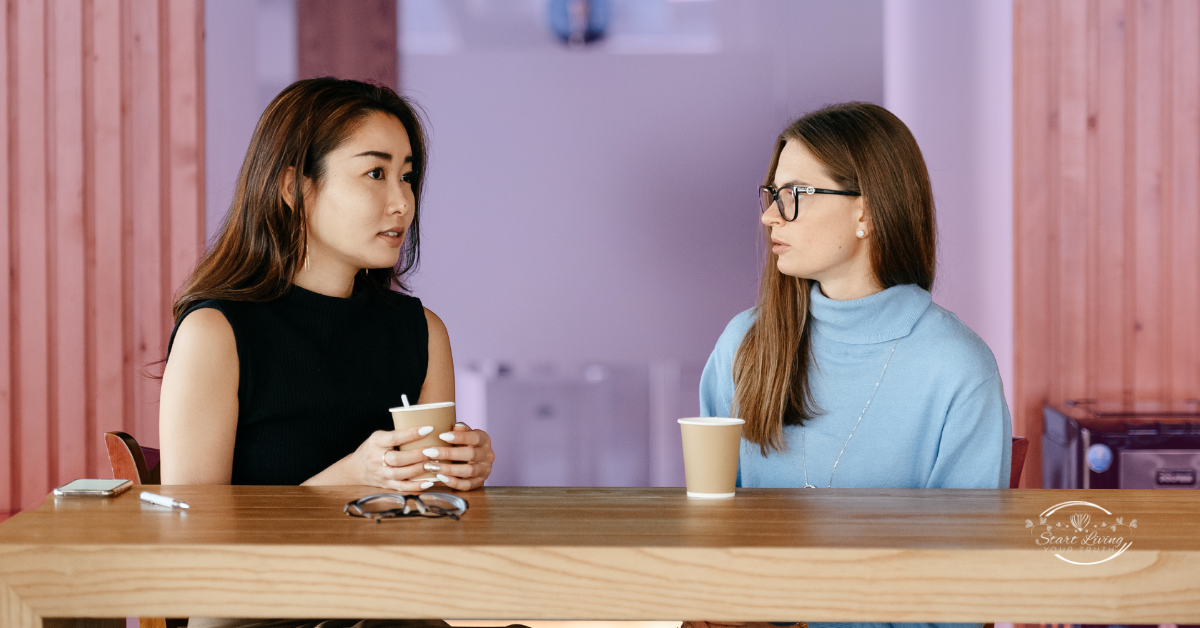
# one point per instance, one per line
(582, 425)
(1146, 445)
(579, 22)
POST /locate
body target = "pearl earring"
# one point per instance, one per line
(860, 233)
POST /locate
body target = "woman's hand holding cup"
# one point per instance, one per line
(380, 464)
(456, 455)
(465, 461)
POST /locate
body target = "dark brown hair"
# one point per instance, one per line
(866, 149)
(262, 243)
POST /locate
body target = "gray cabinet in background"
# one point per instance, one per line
(586, 425)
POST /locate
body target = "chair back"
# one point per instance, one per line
(1019, 448)
(131, 461)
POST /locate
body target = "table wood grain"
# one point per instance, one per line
(599, 554)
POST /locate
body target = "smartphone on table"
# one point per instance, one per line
(99, 488)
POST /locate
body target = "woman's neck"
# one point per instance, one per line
(321, 279)
(848, 288)
(325, 272)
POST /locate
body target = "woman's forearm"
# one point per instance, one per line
(340, 473)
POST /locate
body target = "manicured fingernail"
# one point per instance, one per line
(431, 452)
(443, 478)
(426, 484)
(448, 437)
(460, 425)
(432, 467)
(425, 430)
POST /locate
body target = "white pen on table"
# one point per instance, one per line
(162, 500)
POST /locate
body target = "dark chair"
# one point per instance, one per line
(131, 461)
(138, 464)
(1019, 448)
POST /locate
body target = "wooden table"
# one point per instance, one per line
(562, 553)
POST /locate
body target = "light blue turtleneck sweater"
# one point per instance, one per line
(938, 418)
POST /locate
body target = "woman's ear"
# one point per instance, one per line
(287, 186)
(287, 181)
(862, 217)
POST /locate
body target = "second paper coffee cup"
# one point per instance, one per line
(439, 415)
(710, 455)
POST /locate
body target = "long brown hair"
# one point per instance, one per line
(263, 241)
(866, 149)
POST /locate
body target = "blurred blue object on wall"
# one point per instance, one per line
(1099, 457)
(579, 22)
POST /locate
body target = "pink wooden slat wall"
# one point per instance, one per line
(28, 178)
(1107, 205)
(103, 220)
(65, 208)
(7, 443)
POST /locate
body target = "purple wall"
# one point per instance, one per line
(593, 205)
(230, 79)
(249, 56)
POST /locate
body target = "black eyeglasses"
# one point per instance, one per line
(392, 505)
(785, 199)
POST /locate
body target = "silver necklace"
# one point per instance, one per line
(804, 456)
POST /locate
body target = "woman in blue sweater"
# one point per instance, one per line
(846, 373)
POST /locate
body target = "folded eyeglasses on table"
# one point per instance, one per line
(382, 506)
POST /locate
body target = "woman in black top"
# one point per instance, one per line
(291, 340)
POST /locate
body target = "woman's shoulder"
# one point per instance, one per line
(200, 314)
(399, 300)
(204, 322)
(206, 304)
(406, 312)
(952, 346)
(736, 329)
(716, 382)
(228, 309)
(233, 312)
(395, 296)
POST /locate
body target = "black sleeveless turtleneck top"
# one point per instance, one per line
(317, 375)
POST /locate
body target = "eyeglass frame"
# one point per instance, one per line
(422, 509)
(808, 190)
